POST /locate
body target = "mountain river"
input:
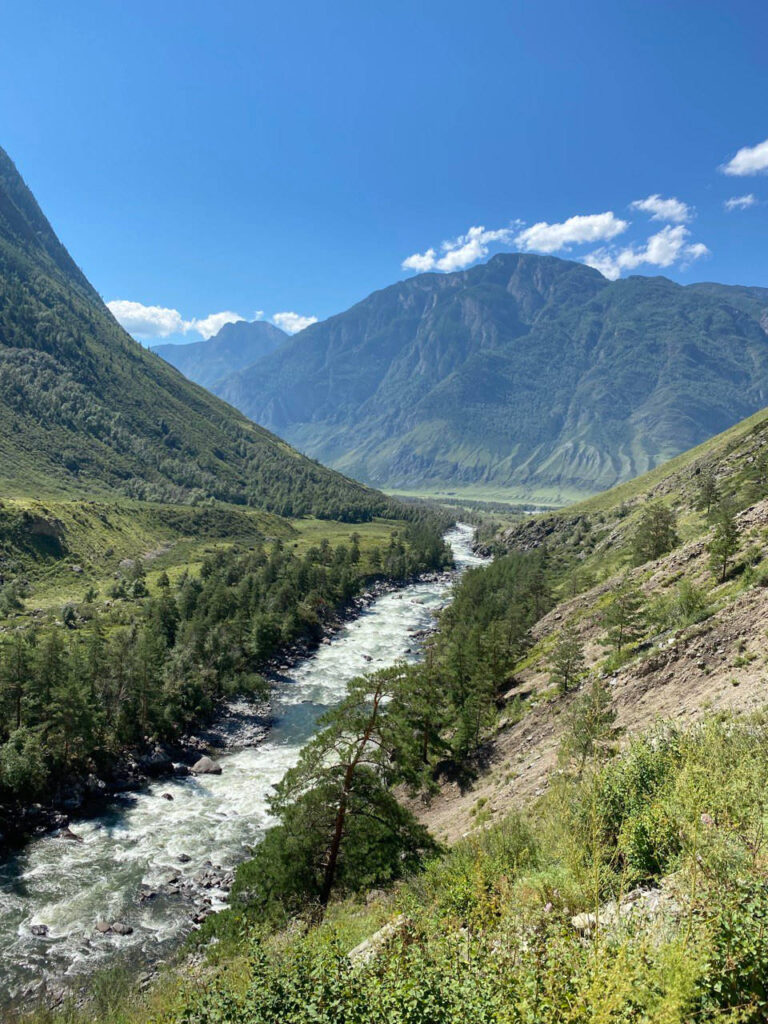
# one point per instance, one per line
(148, 861)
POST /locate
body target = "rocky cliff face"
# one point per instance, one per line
(528, 372)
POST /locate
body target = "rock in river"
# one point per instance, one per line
(206, 766)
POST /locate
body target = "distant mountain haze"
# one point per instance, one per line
(236, 346)
(85, 410)
(528, 372)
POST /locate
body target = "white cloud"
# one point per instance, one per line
(213, 323)
(596, 227)
(421, 261)
(668, 246)
(749, 160)
(664, 209)
(293, 322)
(147, 322)
(740, 202)
(460, 252)
(467, 249)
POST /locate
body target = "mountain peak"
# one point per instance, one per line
(237, 345)
(22, 220)
(86, 411)
(527, 372)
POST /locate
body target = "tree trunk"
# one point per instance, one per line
(329, 875)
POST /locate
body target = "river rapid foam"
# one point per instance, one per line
(156, 858)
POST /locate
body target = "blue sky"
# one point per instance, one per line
(207, 160)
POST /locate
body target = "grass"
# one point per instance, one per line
(632, 489)
(486, 934)
(310, 532)
(91, 538)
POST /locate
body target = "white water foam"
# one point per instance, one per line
(68, 886)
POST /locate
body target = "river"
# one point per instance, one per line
(148, 844)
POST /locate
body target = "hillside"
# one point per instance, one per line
(601, 820)
(85, 410)
(529, 373)
(235, 347)
(701, 642)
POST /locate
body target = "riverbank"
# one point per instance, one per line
(88, 795)
(155, 864)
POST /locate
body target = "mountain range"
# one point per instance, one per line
(528, 373)
(236, 346)
(86, 411)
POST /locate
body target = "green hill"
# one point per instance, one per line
(86, 411)
(592, 760)
(529, 373)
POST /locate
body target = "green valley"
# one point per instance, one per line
(119, 480)
(584, 744)
(530, 375)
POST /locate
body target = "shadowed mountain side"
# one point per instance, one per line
(527, 372)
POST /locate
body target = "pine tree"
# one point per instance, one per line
(655, 534)
(725, 541)
(708, 493)
(70, 712)
(48, 673)
(14, 677)
(339, 815)
(567, 661)
(590, 727)
(624, 616)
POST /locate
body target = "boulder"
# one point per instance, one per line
(95, 785)
(104, 927)
(167, 796)
(119, 928)
(40, 930)
(370, 947)
(156, 760)
(206, 766)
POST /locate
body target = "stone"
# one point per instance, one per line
(104, 927)
(183, 858)
(40, 930)
(584, 922)
(167, 796)
(206, 766)
(371, 946)
(119, 928)
(94, 784)
(156, 760)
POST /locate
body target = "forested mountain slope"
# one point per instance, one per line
(84, 409)
(529, 372)
(235, 346)
(586, 740)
